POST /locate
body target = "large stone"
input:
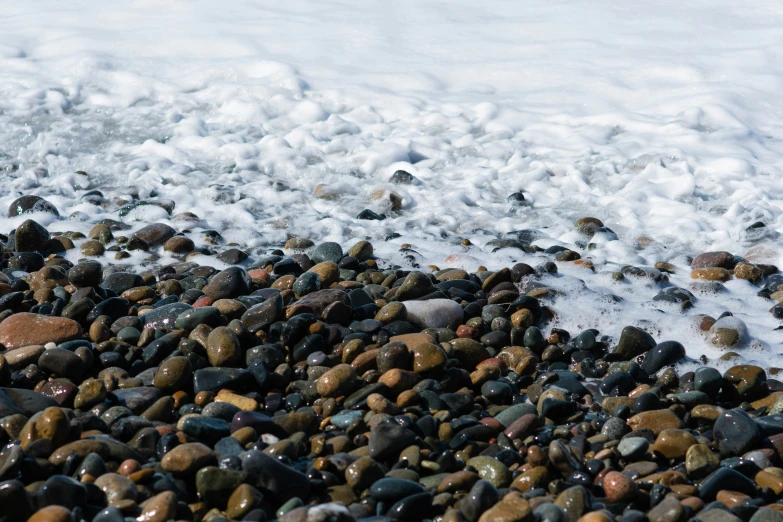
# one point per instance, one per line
(268, 473)
(735, 433)
(155, 234)
(415, 285)
(29, 205)
(435, 313)
(729, 332)
(188, 458)
(634, 342)
(228, 284)
(714, 260)
(30, 237)
(25, 329)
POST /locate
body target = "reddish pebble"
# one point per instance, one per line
(128, 467)
(258, 274)
(493, 362)
(466, 332)
(203, 301)
(619, 487)
(491, 421)
(162, 430)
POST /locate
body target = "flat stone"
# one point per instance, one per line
(188, 458)
(656, 420)
(25, 329)
(155, 234)
(435, 313)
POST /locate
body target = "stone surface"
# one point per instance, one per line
(434, 313)
(25, 329)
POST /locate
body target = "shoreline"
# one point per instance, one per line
(320, 384)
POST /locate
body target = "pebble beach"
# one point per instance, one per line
(317, 383)
(391, 262)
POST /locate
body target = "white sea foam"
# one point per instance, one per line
(661, 118)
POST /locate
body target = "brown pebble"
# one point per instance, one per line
(619, 487)
(51, 514)
(128, 466)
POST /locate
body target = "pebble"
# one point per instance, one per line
(26, 329)
(320, 384)
(434, 313)
(735, 433)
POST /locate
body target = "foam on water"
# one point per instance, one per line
(663, 119)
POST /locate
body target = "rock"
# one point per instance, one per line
(62, 363)
(634, 342)
(31, 204)
(469, 353)
(700, 461)
(215, 485)
(159, 508)
(708, 380)
(328, 273)
(116, 487)
(174, 374)
(491, 470)
(668, 510)
(664, 354)
(25, 329)
(189, 319)
(244, 499)
(725, 478)
(633, 447)
(767, 515)
(155, 234)
(511, 509)
(428, 357)
(415, 285)
(179, 245)
(750, 381)
(267, 473)
(363, 473)
(711, 274)
(587, 225)
(362, 251)
(656, 420)
(387, 440)
(481, 497)
(186, 459)
(228, 284)
(118, 282)
(735, 433)
(63, 491)
(51, 514)
(31, 237)
(714, 259)
(223, 348)
(748, 272)
(435, 313)
(394, 311)
(673, 443)
(93, 248)
(307, 283)
(401, 177)
(729, 331)
(326, 252)
(337, 382)
(619, 487)
(86, 273)
(573, 501)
